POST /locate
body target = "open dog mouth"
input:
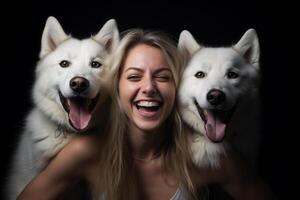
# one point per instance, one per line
(215, 121)
(79, 110)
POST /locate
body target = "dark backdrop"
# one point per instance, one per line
(211, 22)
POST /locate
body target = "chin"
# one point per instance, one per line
(148, 126)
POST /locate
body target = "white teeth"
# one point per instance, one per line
(148, 103)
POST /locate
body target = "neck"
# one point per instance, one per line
(146, 145)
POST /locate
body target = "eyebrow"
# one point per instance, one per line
(133, 68)
(139, 69)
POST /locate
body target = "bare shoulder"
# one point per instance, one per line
(83, 148)
(75, 159)
(72, 163)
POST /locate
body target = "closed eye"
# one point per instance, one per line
(162, 78)
(134, 77)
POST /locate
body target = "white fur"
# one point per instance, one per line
(47, 128)
(242, 132)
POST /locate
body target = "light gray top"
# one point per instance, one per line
(179, 195)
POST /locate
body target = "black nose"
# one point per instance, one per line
(79, 84)
(215, 97)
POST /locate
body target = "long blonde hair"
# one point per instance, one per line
(115, 177)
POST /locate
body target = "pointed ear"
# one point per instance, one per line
(248, 46)
(53, 35)
(187, 45)
(108, 35)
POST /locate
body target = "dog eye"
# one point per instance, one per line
(200, 74)
(95, 64)
(232, 75)
(64, 63)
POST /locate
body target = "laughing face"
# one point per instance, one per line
(146, 88)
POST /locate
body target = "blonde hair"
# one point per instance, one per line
(115, 180)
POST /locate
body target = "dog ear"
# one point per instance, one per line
(187, 45)
(108, 35)
(53, 35)
(248, 46)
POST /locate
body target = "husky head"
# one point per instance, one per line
(69, 82)
(214, 80)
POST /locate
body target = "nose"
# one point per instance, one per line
(215, 97)
(149, 86)
(79, 84)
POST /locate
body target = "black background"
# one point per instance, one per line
(213, 23)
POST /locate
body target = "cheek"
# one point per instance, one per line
(127, 93)
(126, 89)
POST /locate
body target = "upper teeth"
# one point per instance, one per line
(147, 103)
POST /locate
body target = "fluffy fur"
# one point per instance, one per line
(69, 96)
(218, 97)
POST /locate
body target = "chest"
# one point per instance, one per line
(154, 182)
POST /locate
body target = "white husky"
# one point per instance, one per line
(68, 94)
(219, 99)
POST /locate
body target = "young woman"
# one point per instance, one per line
(148, 148)
(146, 153)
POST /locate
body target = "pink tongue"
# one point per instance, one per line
(215, 128)
(79, 114)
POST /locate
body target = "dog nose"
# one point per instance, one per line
(215, 97)
(79, 84)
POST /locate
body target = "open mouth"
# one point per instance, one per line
(148, 105)
(79, 110)
(148, 108)
(215, 121)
